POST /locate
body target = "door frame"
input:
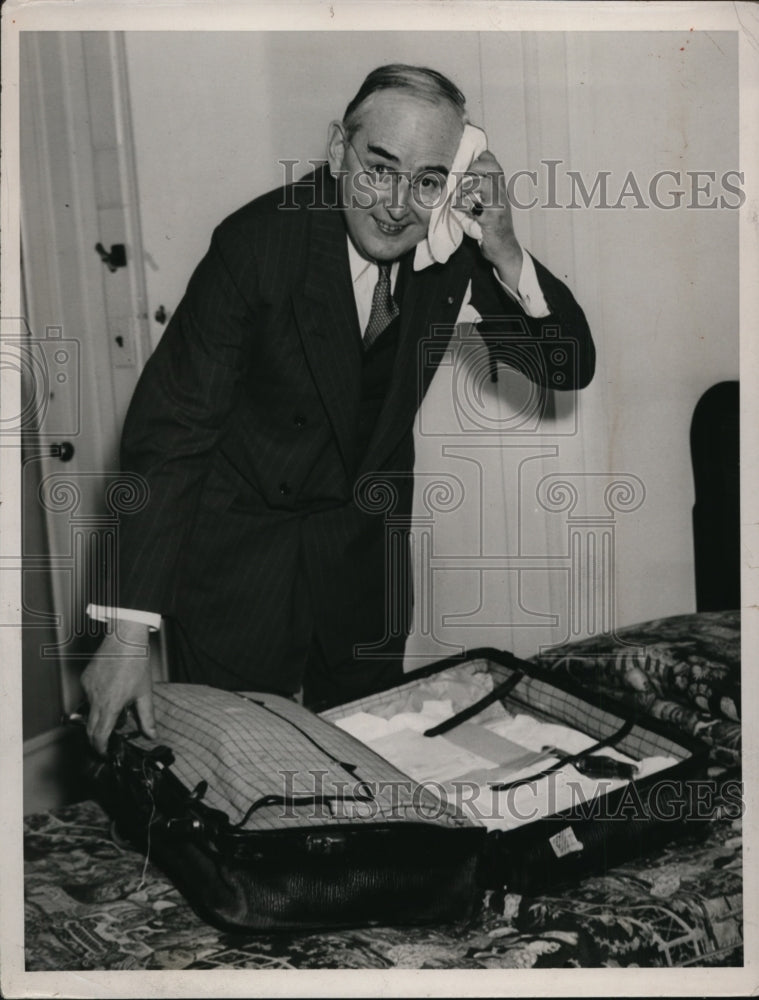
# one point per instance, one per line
(88, 325)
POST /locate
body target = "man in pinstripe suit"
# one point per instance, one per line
(280, 404)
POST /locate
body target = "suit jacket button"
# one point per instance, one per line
(299, 420)
(284, 489)
(449, 300)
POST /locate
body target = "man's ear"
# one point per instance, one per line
(337, 146)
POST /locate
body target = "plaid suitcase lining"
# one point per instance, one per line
(245, 752)
(383, 699)
(541, 696)
(598, 722)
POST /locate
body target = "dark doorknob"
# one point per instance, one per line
(64, 451)
(114, 259)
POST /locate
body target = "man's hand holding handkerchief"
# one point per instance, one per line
(475, 202)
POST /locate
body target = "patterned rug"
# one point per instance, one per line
(91, 904)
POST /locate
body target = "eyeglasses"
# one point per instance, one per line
(428, 188)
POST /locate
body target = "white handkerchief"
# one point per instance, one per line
(448, 225)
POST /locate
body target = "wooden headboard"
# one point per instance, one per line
(715, 454)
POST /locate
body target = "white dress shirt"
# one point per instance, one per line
(365, 274)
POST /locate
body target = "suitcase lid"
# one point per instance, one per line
(267, 763)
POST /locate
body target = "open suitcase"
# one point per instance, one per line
(269, 817)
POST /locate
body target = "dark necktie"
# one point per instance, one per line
(384, 307)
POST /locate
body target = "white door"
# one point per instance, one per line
(86, 332)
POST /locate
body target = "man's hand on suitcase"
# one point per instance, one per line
(119, 675)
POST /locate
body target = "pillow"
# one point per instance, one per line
(684, 670)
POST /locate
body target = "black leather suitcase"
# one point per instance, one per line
(269, 817)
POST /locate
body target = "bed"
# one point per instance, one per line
(94, 903)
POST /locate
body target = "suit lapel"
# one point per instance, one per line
(429, 307)
(327, 320)
(325, 311)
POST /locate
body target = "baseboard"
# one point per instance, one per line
(54, 766)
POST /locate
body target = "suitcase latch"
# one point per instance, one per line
(325, 843)
(182, 826)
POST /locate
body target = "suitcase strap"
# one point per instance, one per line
(348, 768)
(608, 741)
(291, 801)
(499, 691)
(364, 791)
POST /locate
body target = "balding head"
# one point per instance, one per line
(416, 81)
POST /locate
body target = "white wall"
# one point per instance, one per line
(213, 113)
(666, 297)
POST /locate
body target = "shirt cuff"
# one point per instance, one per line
(102, 613)
(529, 293)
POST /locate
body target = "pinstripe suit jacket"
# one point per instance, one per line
(244, 426)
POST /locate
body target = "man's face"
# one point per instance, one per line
(400, 135)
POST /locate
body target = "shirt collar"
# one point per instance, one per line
(358, 264)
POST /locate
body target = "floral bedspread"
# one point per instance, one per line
(684, 670)
(91, 904)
